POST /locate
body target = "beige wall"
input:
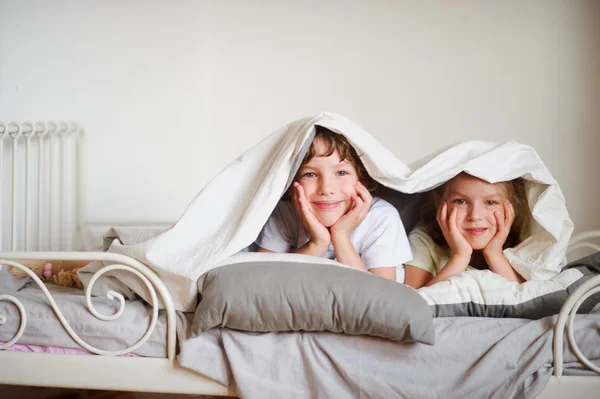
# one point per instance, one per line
(170, 92)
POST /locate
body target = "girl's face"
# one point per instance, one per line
(476, 201)
(329, 184)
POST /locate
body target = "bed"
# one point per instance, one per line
(215, 366)
(229, 362)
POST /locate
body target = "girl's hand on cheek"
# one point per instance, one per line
(456, 241)
(318, 233)
(356, 213)
(503, 225)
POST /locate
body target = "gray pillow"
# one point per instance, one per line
(280, 296)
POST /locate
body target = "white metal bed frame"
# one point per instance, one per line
(109, 371)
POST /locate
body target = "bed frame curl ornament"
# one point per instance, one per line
(120, 262)
(110, 295)
(159, 374)
(567, 314)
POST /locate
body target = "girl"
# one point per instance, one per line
(468, 223)
(332, 212)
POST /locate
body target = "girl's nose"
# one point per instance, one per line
(475, 212)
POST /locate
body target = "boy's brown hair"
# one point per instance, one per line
(332, 142)
(515, 192)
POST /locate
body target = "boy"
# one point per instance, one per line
(333, 214)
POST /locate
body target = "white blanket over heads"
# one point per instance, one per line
(542, 254)
(227, 215)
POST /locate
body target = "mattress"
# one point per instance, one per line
(44, 330)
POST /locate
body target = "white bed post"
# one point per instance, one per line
(28, 134)
(40, 210)
(15, 136)
(3, 131)
(79, 188)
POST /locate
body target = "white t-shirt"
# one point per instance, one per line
(380, 239)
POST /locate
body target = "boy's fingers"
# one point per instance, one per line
(363, 192)
(359, 202)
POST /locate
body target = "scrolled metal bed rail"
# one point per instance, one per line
(119, 262)
(566, 316)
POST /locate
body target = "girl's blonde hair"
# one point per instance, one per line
(515, 192)
(336, 142)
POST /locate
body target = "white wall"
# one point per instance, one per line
(171, 92)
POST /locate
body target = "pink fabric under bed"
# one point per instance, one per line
(54, 349)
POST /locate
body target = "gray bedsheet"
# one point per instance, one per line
(43, 327)
(472, 358)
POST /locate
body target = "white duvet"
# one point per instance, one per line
(227, 215)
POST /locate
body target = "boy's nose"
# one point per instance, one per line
(325, 186)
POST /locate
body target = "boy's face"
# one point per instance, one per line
(329, 184)
(476, 201)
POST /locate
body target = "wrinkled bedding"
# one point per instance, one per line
(472, 358)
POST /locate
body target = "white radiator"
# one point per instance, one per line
(40, 186)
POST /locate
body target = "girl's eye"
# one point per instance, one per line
(309, 175)
(459, 201)
(342, 173)
(491, 203)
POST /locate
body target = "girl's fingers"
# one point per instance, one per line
(499, 222)
(442, 215)
(506, 217)
(452, 220)
(509, 212)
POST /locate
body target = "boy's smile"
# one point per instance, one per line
(327, 205)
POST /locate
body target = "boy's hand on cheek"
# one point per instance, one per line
(357, 212)
(503, 225)
(319, 234)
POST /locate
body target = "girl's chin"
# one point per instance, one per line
(478, 245)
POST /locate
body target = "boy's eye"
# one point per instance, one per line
(342, 173)
(309, 174)
(459, 201)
